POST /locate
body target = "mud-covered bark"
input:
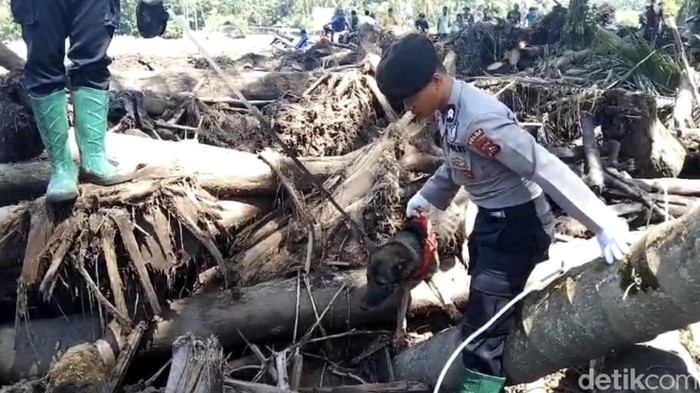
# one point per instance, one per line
(254, 85)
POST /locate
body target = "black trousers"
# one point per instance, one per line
(504, 248)
(328, 29)
(90, 26)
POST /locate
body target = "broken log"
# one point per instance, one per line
(687, 187)
(197, 366)
(246, 174)
(660, 364)
(594, 174)
(268, 258)
(9, 60)
(80, 370)
(589, 311)
(254, 85)
(85, 368)
(262, 313)
(632, 120)
(683, 106)
(239, 386)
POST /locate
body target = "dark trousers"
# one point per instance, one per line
(90, 26)
(504, 248)
(329, 30)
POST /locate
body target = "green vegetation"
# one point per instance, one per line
(212, 15)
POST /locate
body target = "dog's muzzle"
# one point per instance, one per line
(375, 296)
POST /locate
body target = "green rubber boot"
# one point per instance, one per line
(51, 115)
(90, 120)
(475, 382)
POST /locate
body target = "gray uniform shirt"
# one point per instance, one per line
(500, 165)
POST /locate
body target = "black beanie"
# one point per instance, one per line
(407, 66)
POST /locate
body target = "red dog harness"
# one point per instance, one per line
(429, 246)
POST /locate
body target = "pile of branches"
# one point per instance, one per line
(484, 44)
(226, 213)
(253, 220)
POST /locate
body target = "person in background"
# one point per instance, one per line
(367, 19)
(303, 39)
(479, 14)
(459, 24)
(468, 16)
(354, 20)
(531, 16)
(338, 24)
(654, 19)
(421, 24)
(508, 176)
(443, 23)
(488, 14)
(514, 16)
(389, 21)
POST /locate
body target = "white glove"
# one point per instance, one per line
(151, 2)
(417, 206)
(614, 242)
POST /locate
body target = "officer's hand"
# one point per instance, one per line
(417, 206)
(614, 243)
(151, 2)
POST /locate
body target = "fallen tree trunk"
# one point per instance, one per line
(688, 187)
(594, 173)
(262, 313)
(245, 173)
(253, 85)
(9, 60)
(631, 119)
(663, 362)
(589, 311)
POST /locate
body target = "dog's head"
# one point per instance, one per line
(388, 267)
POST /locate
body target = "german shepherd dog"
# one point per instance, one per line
(402, 263)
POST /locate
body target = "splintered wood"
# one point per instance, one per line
(151, 217)
(196, 367)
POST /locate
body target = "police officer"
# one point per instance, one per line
(90, 25)
(506, 174)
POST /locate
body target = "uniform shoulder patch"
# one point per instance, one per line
(450, 114)
(483, 143)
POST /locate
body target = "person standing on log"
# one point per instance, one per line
(90, 25)
(514, 16)
(507, 174)
(654, 19)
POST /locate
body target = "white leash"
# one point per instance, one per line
(542, 283)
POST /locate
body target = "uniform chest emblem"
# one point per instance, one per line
(484, 144)
(462, 166)
(450, 114)
(452, 133)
